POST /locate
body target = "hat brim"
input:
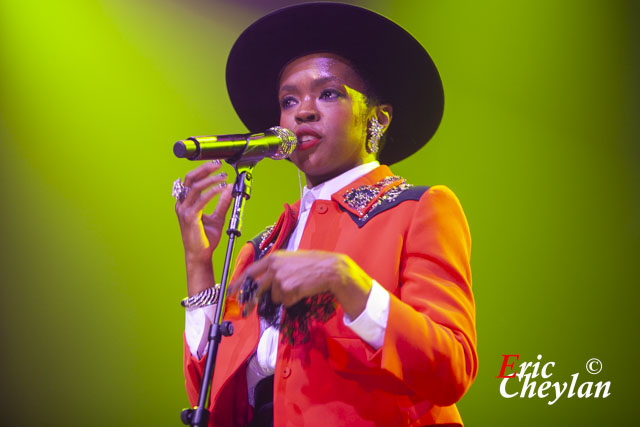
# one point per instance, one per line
(395, 64)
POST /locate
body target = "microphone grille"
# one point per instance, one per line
(288, 142)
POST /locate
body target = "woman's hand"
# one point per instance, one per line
(201, 233)
(292, 276)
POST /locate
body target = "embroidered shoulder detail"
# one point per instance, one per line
(388, 197)
(264, 248)
(265, 234)
(259, 240)
(362, 199)
(394, 196)
(367, 198)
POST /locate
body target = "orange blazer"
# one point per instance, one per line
(415, 242)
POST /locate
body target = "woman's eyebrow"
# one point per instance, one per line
(323, 81)
(314, 84)
(288, 88)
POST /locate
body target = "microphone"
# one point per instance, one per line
(276, 142)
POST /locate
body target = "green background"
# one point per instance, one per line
(539, 141)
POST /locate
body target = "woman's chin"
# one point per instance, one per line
(307, 161)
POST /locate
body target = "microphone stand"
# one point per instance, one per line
(199, 416)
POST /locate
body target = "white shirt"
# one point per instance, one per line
(370, 325)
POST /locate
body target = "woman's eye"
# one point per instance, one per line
(287, 101)
(330, 94)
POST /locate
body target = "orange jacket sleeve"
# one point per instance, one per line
(430, 340)
(193, 367)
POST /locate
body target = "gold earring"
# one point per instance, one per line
(376, 131)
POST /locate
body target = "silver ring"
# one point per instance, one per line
(179, 191)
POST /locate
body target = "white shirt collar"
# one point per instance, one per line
(326, 189)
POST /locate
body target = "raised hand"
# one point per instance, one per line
(200, 232)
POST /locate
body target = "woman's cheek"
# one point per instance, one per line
(284, 120)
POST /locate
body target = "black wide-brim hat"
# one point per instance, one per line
(393, 62)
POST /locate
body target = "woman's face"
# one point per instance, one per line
(322, 102)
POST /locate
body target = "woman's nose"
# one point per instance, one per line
(307, 112)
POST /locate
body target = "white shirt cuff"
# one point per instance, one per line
(371, 324)
(197, 322)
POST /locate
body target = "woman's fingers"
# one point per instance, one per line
(194, 197)
(252, 290)
(214, 223)
(198, 180)
(275, 289)
(201, 171)
(201, 237)
(223, 204)
(266, 283)
(201, 202)
(289, 277)
(245, 286)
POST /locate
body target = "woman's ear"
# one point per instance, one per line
(376, 128)
(384, 114)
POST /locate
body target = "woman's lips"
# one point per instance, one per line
(307, 138)
(307, 142)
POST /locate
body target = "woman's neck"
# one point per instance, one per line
(313, 181)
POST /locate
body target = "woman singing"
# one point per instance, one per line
(361, 311)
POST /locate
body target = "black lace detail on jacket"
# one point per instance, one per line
(298, 317)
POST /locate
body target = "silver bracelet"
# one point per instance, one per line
(202, 299)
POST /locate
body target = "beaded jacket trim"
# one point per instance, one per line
(265, 234)
(365, 198)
